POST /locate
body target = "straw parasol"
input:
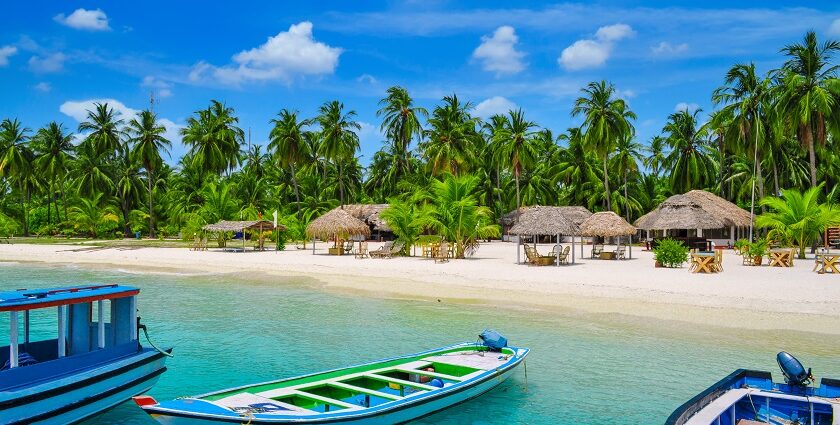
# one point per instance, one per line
(369, 213)
(606, 224)
(543, 220)
(237, 226)
(336, 223)
(681, 212)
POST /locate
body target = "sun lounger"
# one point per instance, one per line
(379, 252)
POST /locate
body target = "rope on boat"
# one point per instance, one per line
(164, 352)
(755, 411)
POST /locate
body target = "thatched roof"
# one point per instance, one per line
(606, 224)
(369, 213)
(696, 209)
(542, 220)
(237, 226)
(574, 214)
(339, 223)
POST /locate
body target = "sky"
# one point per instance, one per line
(58, 58)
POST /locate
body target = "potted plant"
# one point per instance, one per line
(670, 253)
(741, 245)
(757, 250)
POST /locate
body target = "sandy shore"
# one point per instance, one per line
(740, 297)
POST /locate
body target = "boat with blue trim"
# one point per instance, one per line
(388, 391)
(748, 397)
(94, 363)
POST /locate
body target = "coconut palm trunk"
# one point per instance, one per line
(297, 190)
(607, 184)
(151, 204)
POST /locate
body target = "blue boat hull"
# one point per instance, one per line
(79, 395)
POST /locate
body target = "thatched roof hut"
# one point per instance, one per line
(237, 226)
(606, 224)
(574, 214)
(369, 213)
(696, 209)
(337, 223)
(542, 220)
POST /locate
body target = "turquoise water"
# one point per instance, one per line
(583, 369)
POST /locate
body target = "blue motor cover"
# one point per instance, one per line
(493, 340)
(793, 370)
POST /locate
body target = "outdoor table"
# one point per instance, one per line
(704, 262)
(607, 255)
(829, 263)
(336, 250)
(779, 257)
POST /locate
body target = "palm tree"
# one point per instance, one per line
(515, 145)
(214, 139)
(451, 137)
(128, 187)
(16, 161)
(577, 169)
(401, 124)
(93, 173)
(626, 160)
(339, 141)
(92, 213)
(809, 92)
(288, 144)
(458, 215)
(656, 155)
(408, 221)
(106, 132)
(606, 120)
(798, 217)
(746, 99)
(54, 157)
(690, 163)
(147, 143)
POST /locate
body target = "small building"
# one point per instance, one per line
(697, 217)
(369, 213)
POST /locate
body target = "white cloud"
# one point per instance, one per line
(283, 57)
(594, 52)
(496, 105)
(160, 87)
(81, 19)
(367, 78)
(834, 29)
(53, 62)
(497, 53)
(78, 111)
(43, 87)
(625, 94)
(685, 106)
(5, 52)
(667, 49)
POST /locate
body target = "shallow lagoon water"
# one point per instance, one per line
(230, 330)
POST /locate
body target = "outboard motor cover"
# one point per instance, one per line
(795, 373)
(493, 340)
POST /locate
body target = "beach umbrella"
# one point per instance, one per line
(336, 223)
(607, 224)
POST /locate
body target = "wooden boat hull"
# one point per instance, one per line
(405, 410)
(79, 395)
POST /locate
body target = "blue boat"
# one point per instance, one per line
(94, 363)
(751, 397)
(390, 391)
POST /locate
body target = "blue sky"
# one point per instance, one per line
(56, 58)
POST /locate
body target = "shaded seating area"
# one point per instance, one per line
(340, 227)
(546, 221)
(608, 224)
(227, 226)
(696, 218)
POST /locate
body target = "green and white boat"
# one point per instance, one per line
(388, 391)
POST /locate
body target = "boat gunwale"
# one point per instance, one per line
(687, 410)
(518, 356)
(323, 372)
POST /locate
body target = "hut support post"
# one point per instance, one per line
(313, 244)
(243, 240)
(518, 250)
(558, 250)
(630, 245)
(573, 249)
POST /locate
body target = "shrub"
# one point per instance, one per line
(758, 248)
(281, 240)
(670, 253)
(741, 244)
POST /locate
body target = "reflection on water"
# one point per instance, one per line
(230, 331)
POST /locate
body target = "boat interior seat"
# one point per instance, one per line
(249, 401)
(473, 359)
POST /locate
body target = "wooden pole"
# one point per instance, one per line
(558, 250)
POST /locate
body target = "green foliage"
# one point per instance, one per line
(8, 226)
(670, 253)
(758, 248)
(281, 240)
(798, 217)
(741, 244)
(407, 220)
(457, 215)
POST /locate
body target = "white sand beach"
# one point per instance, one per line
(741, 296)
